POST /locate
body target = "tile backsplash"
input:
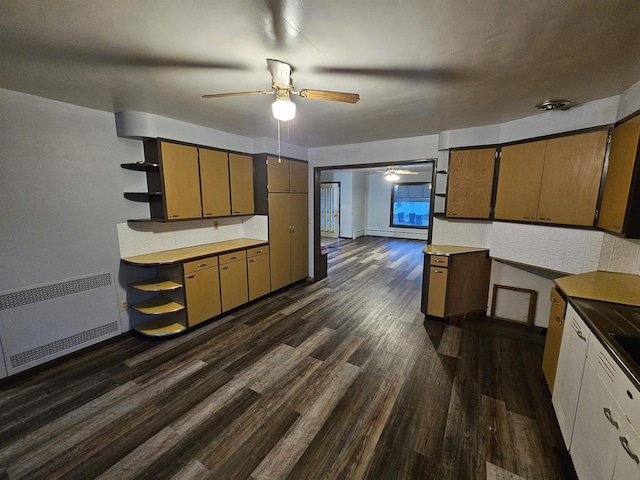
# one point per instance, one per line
(620, 255)
(141, 238)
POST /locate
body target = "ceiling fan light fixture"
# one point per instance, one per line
(283, 109)
(391, 177)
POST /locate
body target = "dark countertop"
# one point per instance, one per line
(604, 318)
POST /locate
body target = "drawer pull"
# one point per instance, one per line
(225, 268)
(236, 211)
(437, 260)
(580, 335)
(555, 302)
(625, 444)
(616, 227)
(544, 218)
(452, 213)
(252, 260)
(530, 218)
(607, 413)
(174, 216)
(234, 257)
(438, 271)
(191, 276)
(200, 265)
(559, 320)
(258, 251)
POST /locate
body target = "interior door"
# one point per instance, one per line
(330, 210)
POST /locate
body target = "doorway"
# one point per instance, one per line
(330, 210)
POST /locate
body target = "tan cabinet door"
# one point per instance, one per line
(298, 177)
(554, 338)
(181, 178)
(470, 183)
(259, 276)
(571, 178)
(299, 237)
(202, 291)
(519, 180)
(437, 291)
(233, 284)
(622, 157)
(241, 175)
(214, 183)
(277, 174)
(280, 239)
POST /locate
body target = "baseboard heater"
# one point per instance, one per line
(47, 321)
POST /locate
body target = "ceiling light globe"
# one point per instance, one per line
(283, 109)
(391, 177)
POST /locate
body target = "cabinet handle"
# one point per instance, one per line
(191, 276)
(544, 218)
(258, 251)
(174, 216)
(580, 335)
(437, 271)
(452, 213)
(555, 302)
(233, 258)
(208, 213)
(559, 320)
(252, 260)
(437, 260)
(607, 413)
(616, 227)
(225, 268)
(530, 218)
(236, 211)
(625, 444)
(202, 265)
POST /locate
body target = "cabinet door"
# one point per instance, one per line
(241, 175)
(277, 174)
(470, 183)
(214, 183)
(554, 337)
(259, 276)
(437, 291)
(279, 240)
(299, 236)
(519, 181)
(617, 184)
(233, 284)
(181, 177)
(571, 360)
(628, 458)
(298, 177)
(571, 178)
(596, 431)
(202, 291)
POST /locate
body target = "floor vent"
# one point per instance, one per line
(43, 322)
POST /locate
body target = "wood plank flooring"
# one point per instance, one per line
(338, 379)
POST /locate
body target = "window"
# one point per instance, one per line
(410, 205)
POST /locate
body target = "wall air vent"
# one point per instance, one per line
(549, 105)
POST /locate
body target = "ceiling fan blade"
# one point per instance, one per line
(419, 74)
(238, 94)
(406, 172)
(331, 96)
(280, 73)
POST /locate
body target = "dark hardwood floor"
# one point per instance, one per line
(338, 379)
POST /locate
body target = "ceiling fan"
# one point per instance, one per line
(392, 174)
(282, 87)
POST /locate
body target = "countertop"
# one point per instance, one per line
(177, 255)
(611, 287)
(451, 250)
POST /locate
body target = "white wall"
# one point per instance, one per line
(358, 202)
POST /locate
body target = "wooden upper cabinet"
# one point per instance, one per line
(617, 185)
(214, 183)
(181, 179)
(571, 178)
(519, 181)
(470, 183)
(278, 174)
(298, 177)
(241, 180)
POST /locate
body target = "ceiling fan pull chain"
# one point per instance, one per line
(279, 159)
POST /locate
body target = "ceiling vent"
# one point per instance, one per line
(548, 105)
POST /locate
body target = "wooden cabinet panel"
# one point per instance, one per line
(298, 177)
(470, 183)
(233, 284)
(241, 180)
(519, 180)
(571, 178)
(437, 291)
(214, 183)
(181, 178)
(254, 252)
(279, 240)
(277, 174)
(299, 236)
(202, 291)
(554, 337)
(617, 185)
(259, 276)
(200, 264)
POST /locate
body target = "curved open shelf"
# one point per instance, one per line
(160, 327)
(158, 306)
(156, 285)
(140, 166)
(142, 196)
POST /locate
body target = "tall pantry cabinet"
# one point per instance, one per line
(288, 225)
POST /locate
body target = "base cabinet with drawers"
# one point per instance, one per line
(196, 284)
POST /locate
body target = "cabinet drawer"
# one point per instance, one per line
(439, 261)
(200, 264)
(254, 252)
(233, 257)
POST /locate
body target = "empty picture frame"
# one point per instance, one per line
(513, 304)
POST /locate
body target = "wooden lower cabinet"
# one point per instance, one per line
(233, 282)
(456, 286)
(202, 291)
(299, 237)
(259, 278)
(554, 337)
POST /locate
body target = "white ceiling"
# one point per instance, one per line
(420, 67)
